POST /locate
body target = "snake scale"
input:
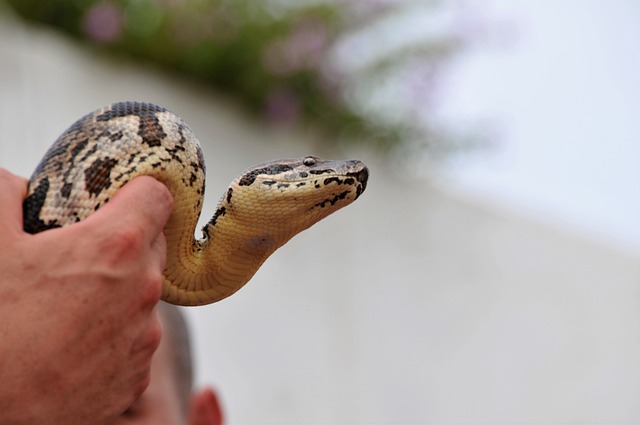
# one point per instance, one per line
(260, 211)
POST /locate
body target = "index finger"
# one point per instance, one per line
(13, 190)
(144, 203)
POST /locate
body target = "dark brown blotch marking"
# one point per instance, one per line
(251, 176)
(333, 200)
(66, 189)
(79, 147)
(181, 128)
(151, 131)
(149, 128)
(90, 152)
(96, 177)
(219, 213)
(192, 179)
(31, 209)
(111, 136)
(325, 171)
(174, 152)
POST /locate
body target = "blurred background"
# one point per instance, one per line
(490, 273)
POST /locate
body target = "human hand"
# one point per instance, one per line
(77, 306)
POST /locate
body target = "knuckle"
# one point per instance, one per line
(155, 333)
(124, 243)
(151, 288)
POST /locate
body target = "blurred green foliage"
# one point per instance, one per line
(277, 59)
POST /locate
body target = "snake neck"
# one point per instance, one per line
(261, 210)
(201, 271)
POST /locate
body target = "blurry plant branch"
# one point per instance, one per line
(292, 63)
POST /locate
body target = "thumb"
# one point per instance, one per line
(13, 190)
(143, 203)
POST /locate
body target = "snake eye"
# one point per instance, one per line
(310, 161)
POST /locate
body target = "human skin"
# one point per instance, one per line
(78, 326)
(162, 403)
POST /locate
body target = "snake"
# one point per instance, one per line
(261, 210)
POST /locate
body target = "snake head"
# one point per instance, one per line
(283, 197)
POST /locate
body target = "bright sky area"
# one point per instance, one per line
(560, 84)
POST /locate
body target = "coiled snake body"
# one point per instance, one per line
(260, 211)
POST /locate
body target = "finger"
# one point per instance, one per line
(150, 334)
(13, 190)
(143, 203)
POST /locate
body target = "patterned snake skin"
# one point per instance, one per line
(260, 211)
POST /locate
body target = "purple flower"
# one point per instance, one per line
(282, 108)
(103, 22)
(303, 49)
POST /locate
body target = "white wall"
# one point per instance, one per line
(411, 306)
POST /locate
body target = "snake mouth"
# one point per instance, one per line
(362, 177)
